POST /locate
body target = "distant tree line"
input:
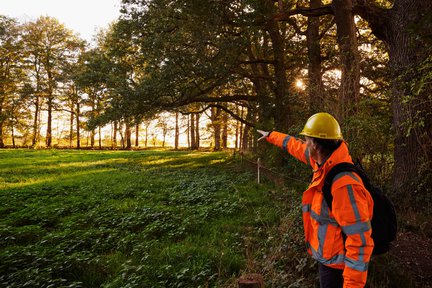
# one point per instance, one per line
(365, 61)
(46, 70)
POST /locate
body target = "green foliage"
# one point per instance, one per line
(185, 60)
(370, 137)
(148, 219)
(125, 219)
(415, 105)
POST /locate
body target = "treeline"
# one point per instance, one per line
(49, 72)
(367, 62)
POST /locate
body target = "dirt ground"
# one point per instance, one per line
(415, 254)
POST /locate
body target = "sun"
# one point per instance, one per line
(300, 85)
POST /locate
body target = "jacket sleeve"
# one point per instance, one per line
(352, 209)
(292, 145)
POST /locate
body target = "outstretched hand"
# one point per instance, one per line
(263, 133)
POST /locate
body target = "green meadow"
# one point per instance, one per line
(151, 218)
(138, 219)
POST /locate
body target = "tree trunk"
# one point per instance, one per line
(71, 123)
(100, 137)
(146, 136)
(412, 150)
(406, 29)
(192, 132)
(349, 89)
(137, 135)
(92, 138)
(128, 134)
(78, 124)
(241, 131)
(49, 122)
(120, 130)
(315, 87)
(197, 132)
(114, 139)
(13, 136)
(245, 139)
(176, 133)
(35, 121)
(237, 130)
(281, 111)
(188, 133)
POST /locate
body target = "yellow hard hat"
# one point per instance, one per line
(322, 125)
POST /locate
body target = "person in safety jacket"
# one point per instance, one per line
(340, 238)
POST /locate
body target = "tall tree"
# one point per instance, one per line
(176, 131)
(315, 87)
(11, 71)
(91, 77)
(349, 91)
(406, 30)
(405, 27)
(51, 47)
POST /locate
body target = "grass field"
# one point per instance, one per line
(150, 219)
(133, 219)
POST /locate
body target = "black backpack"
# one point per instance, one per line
(384, 223)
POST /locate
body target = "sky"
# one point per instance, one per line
(84, 17)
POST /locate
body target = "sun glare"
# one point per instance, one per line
(300, 85)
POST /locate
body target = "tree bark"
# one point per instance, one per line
(241, 131)
(114, 141)
(92, 138)
(71, 130)
(49, 123)
(245, 139)
(176, 132)
(100, 137)
(13, 136)
(78, 111)
(225, 131)
(36, 119)
(281, 111)
(197, 132)
(193, 145)
(50, 97)
(315, 87)
(137, 135)
(349, 89)
(128, 134)
(408, 47)
(188, 133)
(406, 52)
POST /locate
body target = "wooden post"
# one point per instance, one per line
(258, 168)
(251, 281)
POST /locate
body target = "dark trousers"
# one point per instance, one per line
(330, 277)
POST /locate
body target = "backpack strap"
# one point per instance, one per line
(341, 167)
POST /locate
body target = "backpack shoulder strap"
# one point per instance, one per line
(328, 181)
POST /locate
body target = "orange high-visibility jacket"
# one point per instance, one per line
(351, 213)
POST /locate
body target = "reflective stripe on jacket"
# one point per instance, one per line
(351, 213)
